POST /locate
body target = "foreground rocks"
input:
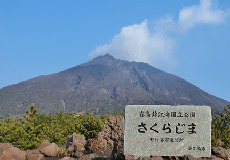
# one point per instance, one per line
(111, 138)
(107, 145)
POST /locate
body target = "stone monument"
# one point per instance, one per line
(163, 130)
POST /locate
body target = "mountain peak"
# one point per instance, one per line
(105, 84)
(102, 59)
(108, 55)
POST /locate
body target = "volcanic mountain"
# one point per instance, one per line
(103, 85)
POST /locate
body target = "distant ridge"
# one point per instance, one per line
(103, 85)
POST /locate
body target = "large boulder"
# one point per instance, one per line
(51, 150)
(110, 140)
(8, 151)
(73, 148)
(221, 152)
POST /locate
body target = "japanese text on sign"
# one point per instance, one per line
(166, 114)
(167, 128)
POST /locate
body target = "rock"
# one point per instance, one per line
(144, 158)
(75, 154)
(174, 158)
(221, 152)
(111, 138)
(34, 155)
(68, 158)
(50, 150)
(75, 145)
(93, 157)
(215, 158)
(8, 151)
(76, 140)
(70, 150)
(87, 157)
(152, 158)
(78, 154)
(44, 144)
(129, 157)
(189, 157)
(157, 158)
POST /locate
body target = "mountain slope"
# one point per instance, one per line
(105, 83)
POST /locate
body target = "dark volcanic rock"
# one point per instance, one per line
(111, 138)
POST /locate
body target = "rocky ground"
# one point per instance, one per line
(108, 145)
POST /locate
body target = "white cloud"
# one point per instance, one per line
(203, 13)
(137, 43)
(155, 47)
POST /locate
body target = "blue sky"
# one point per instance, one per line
(189, 38)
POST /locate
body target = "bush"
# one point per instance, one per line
(221, 128)
(29, 132)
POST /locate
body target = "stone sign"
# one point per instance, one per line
(161, 130)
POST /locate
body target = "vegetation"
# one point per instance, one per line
(29, 132)
(221, 129)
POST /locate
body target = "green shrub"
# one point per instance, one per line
(221, 129)
(89, 126)
(29, 132)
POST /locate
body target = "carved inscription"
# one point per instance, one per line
(167, 130)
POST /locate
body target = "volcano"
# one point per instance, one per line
(103, 85)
